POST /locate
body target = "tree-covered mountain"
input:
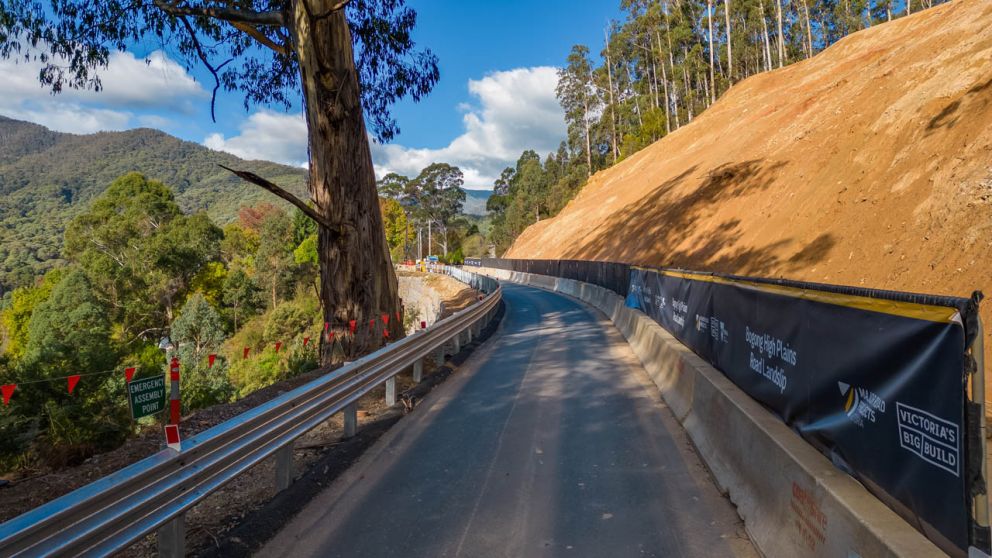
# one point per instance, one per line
(47, 178)
(475, 202)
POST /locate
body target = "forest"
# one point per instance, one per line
(141, 282)
(657, 70)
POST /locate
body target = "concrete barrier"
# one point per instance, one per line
(793, 501)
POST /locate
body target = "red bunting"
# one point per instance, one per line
(247, 349)
(7, 391)
(385, 319)
(385, 333)
(351, 325)
(128, 374)
(371, 325)
(278, 345)
(306, 341)
(327, 326)
(210, 360)
(73, 380)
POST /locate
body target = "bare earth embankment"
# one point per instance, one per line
(868, 165)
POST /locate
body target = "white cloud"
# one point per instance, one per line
(517, 110)
(129, 84)
(266, 135)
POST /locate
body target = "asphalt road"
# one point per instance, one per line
(549, 441)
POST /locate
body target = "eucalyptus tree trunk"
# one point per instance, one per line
(781, 37)
(809, 29)
(730, 52)
(709, 20)
(356, 275)
(764, 30)
(609, 84)
(664, 82)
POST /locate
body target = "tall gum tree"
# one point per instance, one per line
(342, 59)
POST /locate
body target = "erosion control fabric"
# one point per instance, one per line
(876, 380)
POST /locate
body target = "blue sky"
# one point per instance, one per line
(495, 97)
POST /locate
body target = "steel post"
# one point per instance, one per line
(418, 370)
(391, 391)
(350, 420)
(172, 538)
(284, 467)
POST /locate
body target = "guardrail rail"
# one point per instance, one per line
(154, 494)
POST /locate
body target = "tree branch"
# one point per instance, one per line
(260, 37)
(227, 14)
(300, 204)
(203, 58)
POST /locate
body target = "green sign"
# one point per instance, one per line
(146, 396)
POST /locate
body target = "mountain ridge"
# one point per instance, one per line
(47, 177)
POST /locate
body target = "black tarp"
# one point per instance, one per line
(877, 383)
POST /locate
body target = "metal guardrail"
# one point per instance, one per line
(153, 494)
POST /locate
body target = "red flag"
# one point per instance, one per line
(210, 360)
(246, 352)
(278, 345)
(330, 336)
(385, 320)
(371, 325)
(73, 380)
(327, 326)
(7, 391)
(385, 333)
(351, 325)
(128, 373)
(423, 324)
(306, 341)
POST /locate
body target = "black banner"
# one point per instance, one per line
(875, 380)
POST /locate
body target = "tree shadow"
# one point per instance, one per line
(966, 104)
(659, 221)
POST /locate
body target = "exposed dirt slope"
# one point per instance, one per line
(868, 165)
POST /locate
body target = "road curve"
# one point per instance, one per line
(548, 441)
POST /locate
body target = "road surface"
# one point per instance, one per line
(549, 441)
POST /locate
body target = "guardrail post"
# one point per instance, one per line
(350, 420)
(284, 467)
(418, 370)
(469, 334)
(172, 538)
(458, 343)
(440, 356)
(391, 391)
